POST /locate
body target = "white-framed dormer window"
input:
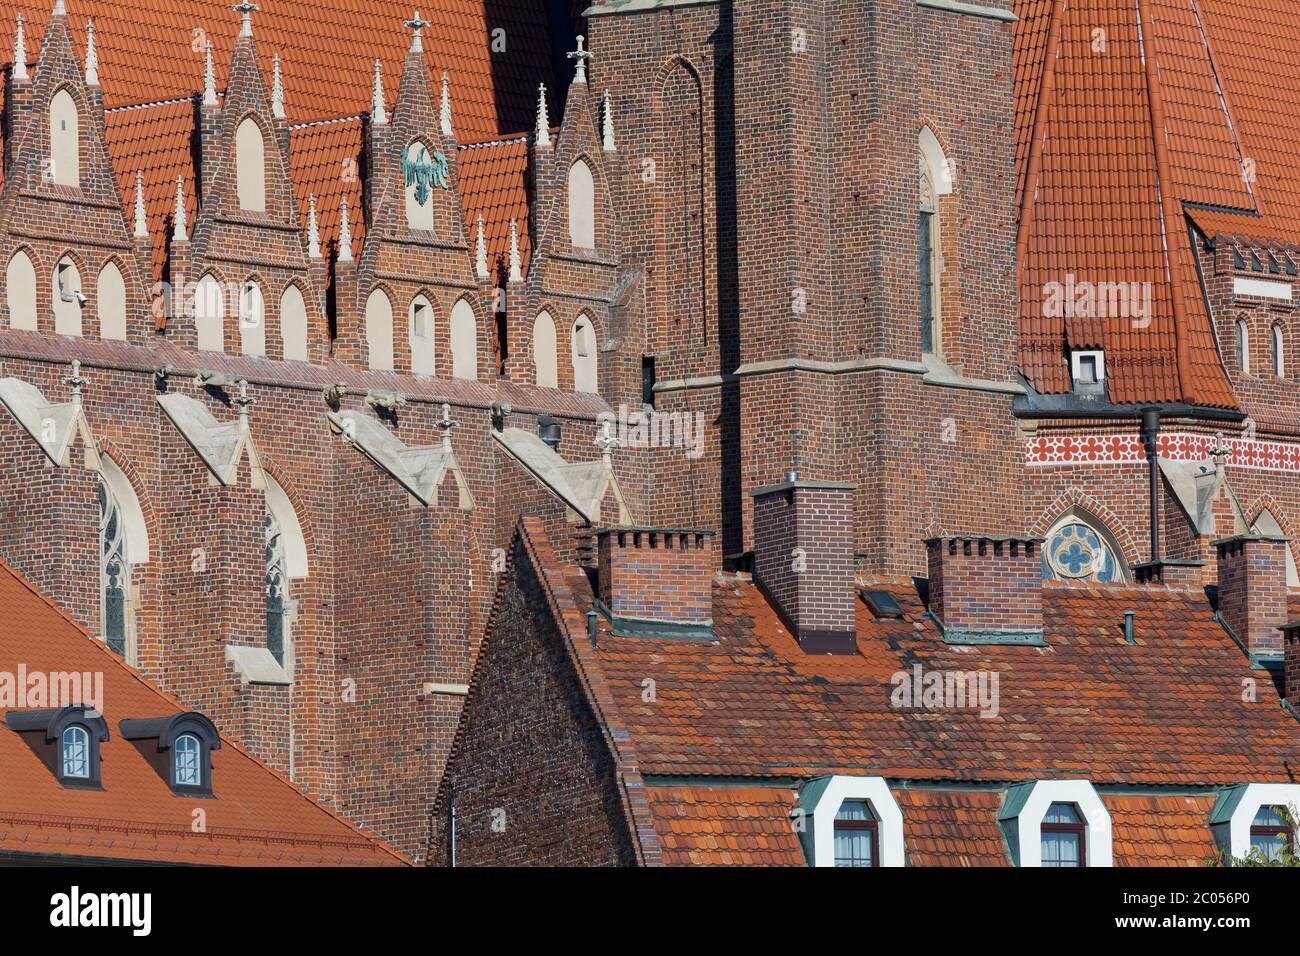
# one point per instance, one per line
(1056, 823)
(75, 754)
(1244, 819)
(1088, 371)
(187, 769)
(850, 821)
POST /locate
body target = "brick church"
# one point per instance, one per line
(672, 431)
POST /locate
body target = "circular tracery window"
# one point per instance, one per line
(1075, 552)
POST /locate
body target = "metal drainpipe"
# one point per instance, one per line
(1150, 435)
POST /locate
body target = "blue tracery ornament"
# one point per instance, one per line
(422, 172)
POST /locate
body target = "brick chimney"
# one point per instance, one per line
(1291, 663)
(987, 590)
(803, 561)
(1252, 590)
(656, 580)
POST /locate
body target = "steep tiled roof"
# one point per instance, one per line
(493, 184)
(952, 828)
(256, 818)
(725, 826)
(1165, 712)
(1161, 831)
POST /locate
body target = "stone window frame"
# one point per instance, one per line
(1026, 804)
(819, 803)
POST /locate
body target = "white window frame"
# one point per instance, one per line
(83, 737)
(176, 763)
(1024, 829)
(1234, 812)
(819, 816)
(1076, 367)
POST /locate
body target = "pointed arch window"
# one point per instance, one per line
(65, 143)
(464, 341)
(20, 291)
(582, 206)
(1279, 354)
(379, 330)
(252, 320)
(110, 299)
(293, 324)
(423, 359)
(584, 355)
(277, 590)
(114, 572)
(544, 355)
(209, 315)
(928, 264)
(1080, 549)
(68, 298)
(1243, 346)
(250, 166)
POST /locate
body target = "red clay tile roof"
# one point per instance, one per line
(953, 827)
(255, 818)
(1166, 712)
(1160, 831)
(725, 826)
(1101, 195)
(493, 184)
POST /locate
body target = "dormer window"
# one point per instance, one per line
(186, 770)
(74, 756)
(1088, 371)
(1271, 833)
(179, 748)
(1062, 835)
(66, 739)
(857, 840)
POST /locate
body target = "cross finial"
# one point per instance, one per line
(1219, 452)
(446, 424)
(92, 57)
(245, 9)
(244, 401)
(416, 25)
(605, 441)
(76, 381)
(582, 56)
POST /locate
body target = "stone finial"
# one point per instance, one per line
(607, 128)
(141, 223)
(92, 57)
(76, 381)
(516, 269)
(605, 442)
(209, 77)
(444, 107)
(345, 233)
(178, 216)
(244, 401)
(313, 230)
(377, 114)
(480, 252)
(446, 424)
(1220, 452)
(277, 89)
(245, 9)
(582, 56)
(20, 51)
(416, 25)
(543, 120)
(59, 9)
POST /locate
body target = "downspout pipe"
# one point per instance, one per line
(1150, 438)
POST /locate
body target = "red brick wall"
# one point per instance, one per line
(525, 723)
(657, 575)
(1252, 591)
(982, 585)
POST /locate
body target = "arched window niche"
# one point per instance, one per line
(1078, 547)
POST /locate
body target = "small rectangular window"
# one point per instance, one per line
(648, 380)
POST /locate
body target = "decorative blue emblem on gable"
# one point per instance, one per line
(423, 173)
